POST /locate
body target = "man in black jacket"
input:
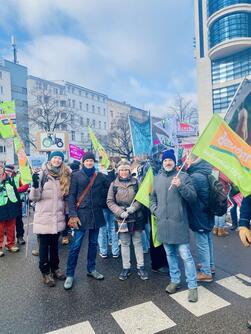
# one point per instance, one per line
(86, 215)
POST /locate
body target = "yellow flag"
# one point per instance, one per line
(145, 189)
(105, 162)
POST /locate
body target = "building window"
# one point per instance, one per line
(82, 137)
(79, 92)
(93, 123)
(86, 94)
(2, 149)
(72, 90)
(61, 91)
(88, 121)
(73, 135)
(1, 75)
(64, 127)
(1, 89)
(68, 89)
(80, 105)
(63, 115)
(93, 108)
(93, 96)
(230, 26)
(73, 103)
(104, 111)
(81, 121)
(105, 125)
(111, 113)
(222, 98)
(99, 110)
(72, 118)
(99, 124)
(87, 107)
(62, 103)
(215, 5)
(69, 103)
(232, 67)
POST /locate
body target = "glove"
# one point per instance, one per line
(74, 222)
(245, 236)
(130, 209)
(124, 215)
(35, 180)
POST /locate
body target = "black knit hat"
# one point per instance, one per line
(88, 155)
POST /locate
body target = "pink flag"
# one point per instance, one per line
(238, 199)
(76, 152)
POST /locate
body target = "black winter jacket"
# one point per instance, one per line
(245, 212)
(199, 219)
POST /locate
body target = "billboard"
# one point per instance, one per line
(52, 141)
(238, 115)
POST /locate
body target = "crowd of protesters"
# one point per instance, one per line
(82, 199)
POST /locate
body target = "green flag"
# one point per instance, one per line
(24, 168)
(142, 196)
(105, 162)
(145, 189)
(7, 113)
(224, 149)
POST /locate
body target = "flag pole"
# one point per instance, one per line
(27, 228)
(181, 168)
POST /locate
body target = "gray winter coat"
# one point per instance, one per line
(170, 207)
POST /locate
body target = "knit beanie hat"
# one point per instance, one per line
(124, 164)
(74, 166)
(88, 155)
(169, 154)
(56, 154)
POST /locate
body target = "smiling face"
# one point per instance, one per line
(56, 161)
(124, 173)
(168, 165)
(88, 163)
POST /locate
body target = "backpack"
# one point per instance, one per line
(218, 197)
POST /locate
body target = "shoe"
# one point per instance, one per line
(95, 274)
(116, 256)
(142, 274)
(59, 275)
(233, 228)
(222, 232)
(48, 280)
(13, 249)
(20, 241)
(249, 324)
(65, 240)
(125, 273)
(172, 287)
(35, 252)
(68, 283)
(104, 256)
(201, 277)
(213, 270)
(1, 253)
(193, 295)
(162, 271)
(215, 231)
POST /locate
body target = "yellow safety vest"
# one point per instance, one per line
(7, 193)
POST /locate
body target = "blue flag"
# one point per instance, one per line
(141, 136)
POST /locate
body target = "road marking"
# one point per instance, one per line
(81, 328)
(236, 285)
(208, 302)
(144, 318)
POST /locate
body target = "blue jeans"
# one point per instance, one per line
(233, 213)
(185, 254)
(107, 231)
(75, 249)
(204, 245)
(219, 221)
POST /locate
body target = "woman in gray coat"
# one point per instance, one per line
(129, 218)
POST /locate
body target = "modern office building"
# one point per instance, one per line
(222, 51)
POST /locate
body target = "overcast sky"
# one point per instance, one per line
(138, 51)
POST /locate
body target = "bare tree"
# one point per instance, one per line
(118, 140)
(184, 110)
(49, 112)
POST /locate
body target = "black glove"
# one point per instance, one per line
(35, 180)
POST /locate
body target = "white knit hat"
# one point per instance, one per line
(124, 164)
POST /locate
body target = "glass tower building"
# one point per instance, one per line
(222, 51)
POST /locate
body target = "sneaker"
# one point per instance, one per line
(35, 252)
(162, 271)
(20, 241)
(172, 287)
(13, 249)
(1, 253)
(104, 256)
(193, 295)
(142, 274)
(116, 256)
(48, 280)
(95, 274)
(233, 228)
(65, 240)
(68, 283)
(59, 275)
(201, 277)
(125, 273)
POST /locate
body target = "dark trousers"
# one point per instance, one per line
(233, 213)
(48, 253)
(19, 223)
(158, 255)
(67, 229)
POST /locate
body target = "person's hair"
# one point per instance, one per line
(64, 179)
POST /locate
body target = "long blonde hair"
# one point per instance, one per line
(63, 175)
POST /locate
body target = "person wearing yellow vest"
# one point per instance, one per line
(21, 188)
(9, 209)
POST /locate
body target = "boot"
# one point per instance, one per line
(215, 231)
(59, 275)
(48, 280)
(222, 232)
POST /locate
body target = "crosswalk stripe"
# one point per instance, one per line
(81, 328)
(144, 318)
(208, 301)
(236, 285)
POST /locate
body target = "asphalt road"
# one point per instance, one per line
(29, 307)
